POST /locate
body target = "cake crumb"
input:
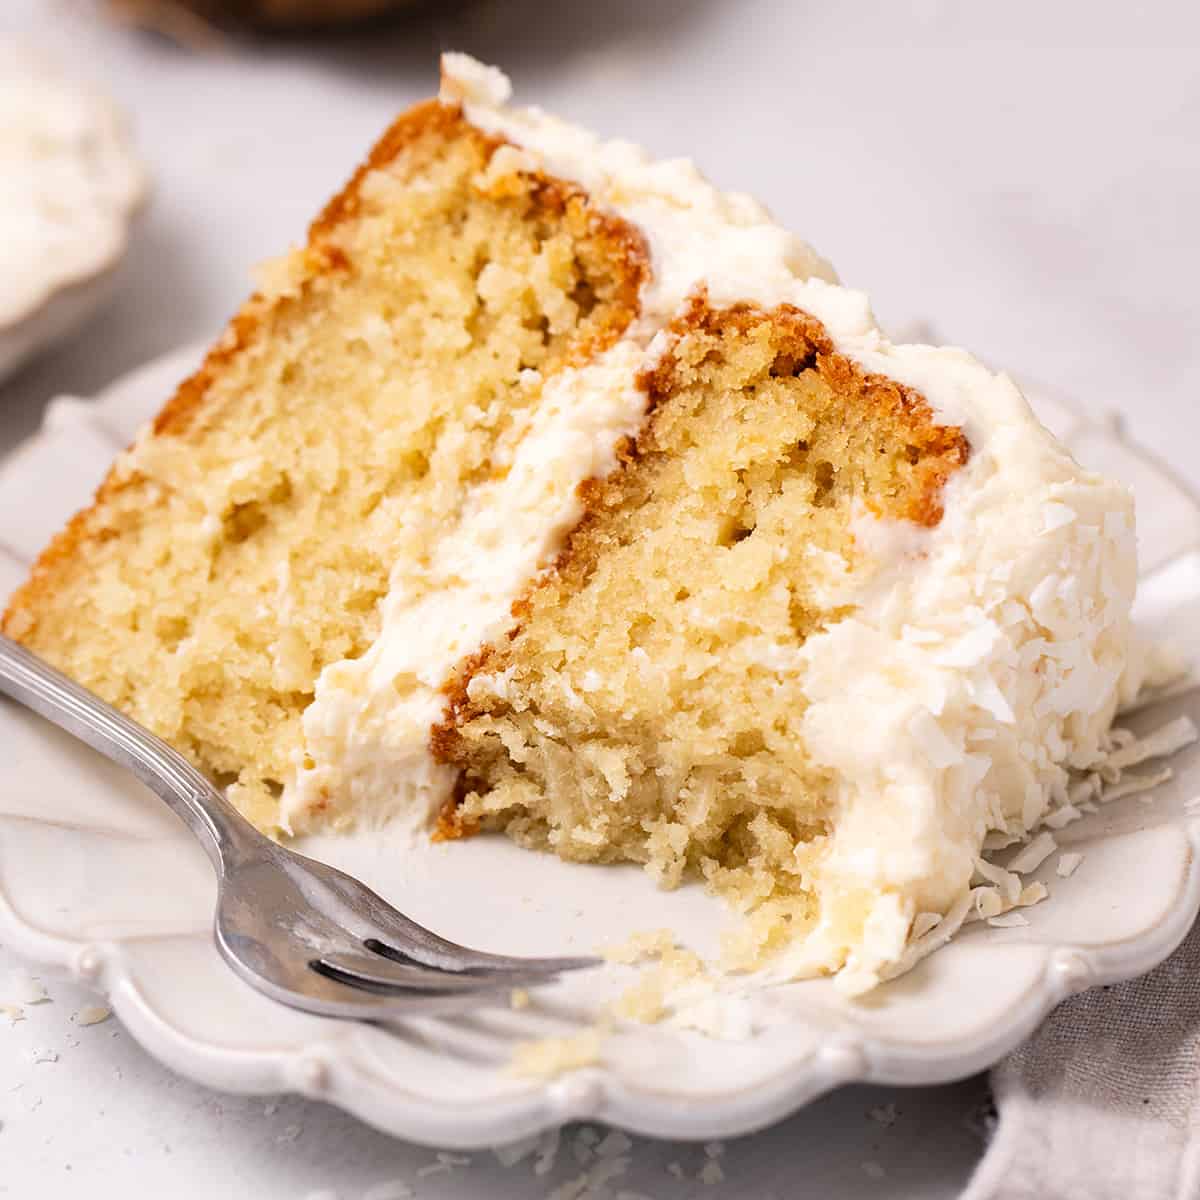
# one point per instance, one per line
(874, 1170)
(640, 947)
(711, 1173)
(519, 998)
(644, 1002)
(556, 1055)
(650, 999)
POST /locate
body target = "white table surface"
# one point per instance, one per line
(1028, 175)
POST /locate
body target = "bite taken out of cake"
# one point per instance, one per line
(550, 490)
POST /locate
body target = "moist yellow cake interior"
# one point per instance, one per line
(335, 434)
(649, 705)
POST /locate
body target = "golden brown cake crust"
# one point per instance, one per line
(321, 258)
(942, 449)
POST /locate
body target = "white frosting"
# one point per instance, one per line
(985, 658)
(69, 181)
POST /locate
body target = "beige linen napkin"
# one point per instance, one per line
(1103, 1102)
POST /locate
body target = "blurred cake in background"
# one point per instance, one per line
(184, 19)
(70, 184)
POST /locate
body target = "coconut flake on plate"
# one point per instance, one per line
(1008, 920)
(1033, 854)
(1068, 863)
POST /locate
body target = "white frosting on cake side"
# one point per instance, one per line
(69, 181)
(985, 657)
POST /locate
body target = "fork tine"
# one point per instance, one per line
(496, 965)
(366, 970)
(387, 931)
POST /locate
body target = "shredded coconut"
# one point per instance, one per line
(516, 1152)
(1059, 818)
(1068, 863)
(434, 1168)
(1009, 920)
(1167, 740)
(884, 1114)
(26, 989)
(92, 1014)
(1034, 854)
(1130, 785)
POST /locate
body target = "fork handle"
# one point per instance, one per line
(221, 829)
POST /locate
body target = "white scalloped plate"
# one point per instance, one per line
(97, 879)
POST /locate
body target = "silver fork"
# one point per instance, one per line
(301, 932)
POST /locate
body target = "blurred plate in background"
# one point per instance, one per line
(70, 187)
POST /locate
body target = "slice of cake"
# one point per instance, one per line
(550, 490)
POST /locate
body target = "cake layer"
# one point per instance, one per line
(650, 703)
(333, 443)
